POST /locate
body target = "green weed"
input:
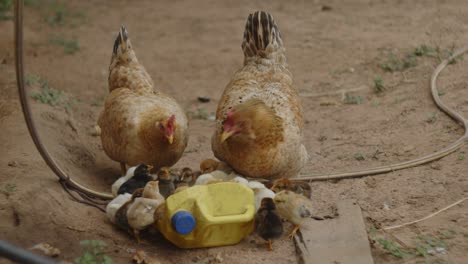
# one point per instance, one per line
(359, 156)
(353, 99)
(378, 84)
(93, 253)
(5, 7)
(49, 95)
(8, 189)
(393, 248)
(70, 46)
(394, 64)
(425, 50)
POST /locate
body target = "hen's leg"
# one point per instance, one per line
(293, 232)
(123, 168)
(136, 233)
(269, 245)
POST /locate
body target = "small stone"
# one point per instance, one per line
(436, 166)
(218, 258)
(326, 8)
(386, 207)
(203, 99)
(440, 250)
(13, 163)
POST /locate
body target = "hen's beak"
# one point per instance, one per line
(170, 139)
(226, 135)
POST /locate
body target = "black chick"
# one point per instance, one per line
(268, 224)
(166, 182)
(141, 177)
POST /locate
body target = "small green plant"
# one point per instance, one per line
(8, 189)
(70, 46)
(378, 84)
(424, 50)
(359, 156)
(353, 99)
(32, 79)
(5, 7)
(93, 253)
(394, 63)
(461, 156)
(392, 248)
(47, 95)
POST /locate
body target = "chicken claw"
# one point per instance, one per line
(293, 232)
(136, 233)
(269, 245)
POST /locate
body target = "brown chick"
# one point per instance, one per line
(293, 207)
(268, 224)
(259, 130)
(188, 177)
(166, 182)
(298, 187)
(138, 123)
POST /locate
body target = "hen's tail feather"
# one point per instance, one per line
(121, 39)
(261, 35)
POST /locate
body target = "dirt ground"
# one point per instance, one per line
(191, 49)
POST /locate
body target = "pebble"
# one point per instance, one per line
(13, 163)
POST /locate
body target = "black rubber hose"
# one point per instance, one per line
(20, 255)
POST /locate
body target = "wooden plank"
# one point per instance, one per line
(340, 240)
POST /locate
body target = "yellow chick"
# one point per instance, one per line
(140, 213)
(209, 165)
(293, 207)
(213, 177)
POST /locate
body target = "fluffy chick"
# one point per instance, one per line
(213, 177)
(294, 186)
(187, 177)
(121, 180)
(293, 207)
(209, 165)
(166, 182)
(268, 224)
(140, 213)
(260, 192)
(114, 205)
(141, 177)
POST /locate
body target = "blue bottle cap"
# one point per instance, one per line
(183, 222)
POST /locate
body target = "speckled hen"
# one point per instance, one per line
(139, 124)
(259, 116)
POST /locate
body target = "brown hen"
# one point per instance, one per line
(259, 117)
(138, 123)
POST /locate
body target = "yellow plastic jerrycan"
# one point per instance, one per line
(210, 215)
